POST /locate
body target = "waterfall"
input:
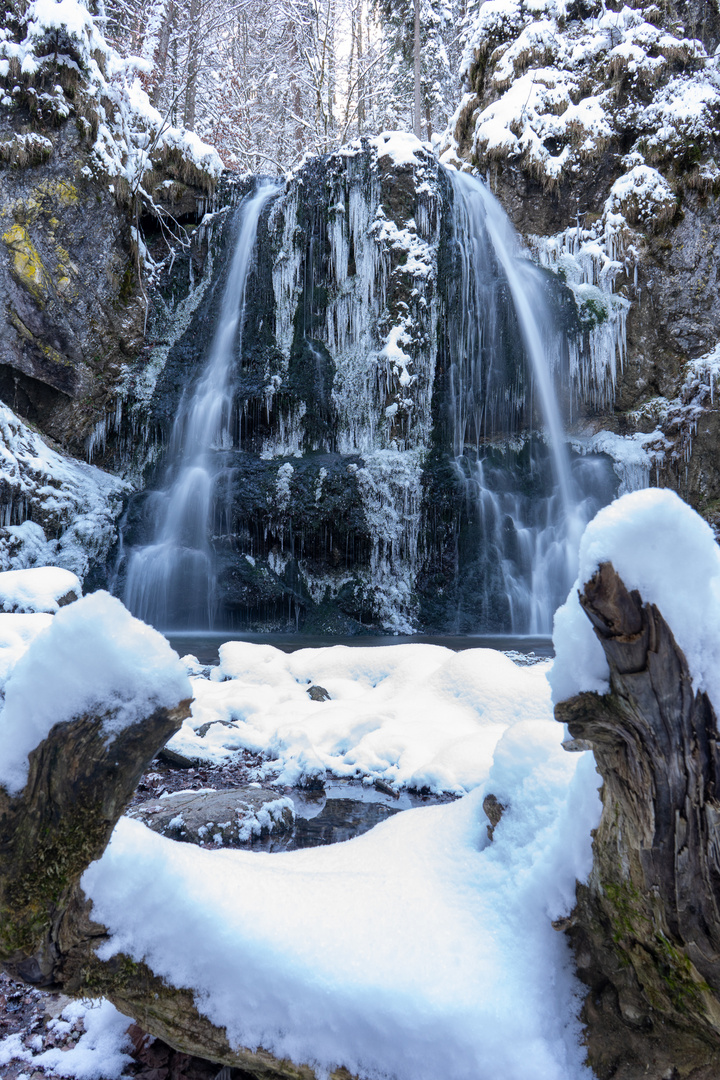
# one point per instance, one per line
(527, 505)
(170, 580)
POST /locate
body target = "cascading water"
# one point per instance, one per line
(529, 507)
(170, 581)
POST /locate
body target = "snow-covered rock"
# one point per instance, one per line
(93, 657)
(55, 510)
(42, 589)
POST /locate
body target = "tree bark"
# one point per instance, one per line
(167, 29)
(646, 929)
(416, 70)
(193, 65)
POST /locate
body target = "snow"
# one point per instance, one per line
(38, 590)
(93, 658)
(100, 1052)
(130, 129)
(382, 717)
(400, 146)
(76, 503)
(16, 634)
(415, 951)
(664, 549)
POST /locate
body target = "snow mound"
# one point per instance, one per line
(93, 658)
(415, 951)
(381, 721)
(42, 589)
(16, 634)
(665, 550)
(98, 1054)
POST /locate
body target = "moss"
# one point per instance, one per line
(678, 977)
(27, 266)
(128, 283)
(49, 864)
(624, 904)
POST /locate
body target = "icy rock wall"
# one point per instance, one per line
(355, 284)
(597, 125)
(335, 407)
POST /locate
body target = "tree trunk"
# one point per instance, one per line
(167, 28)
(193, 65)
(416, 71)
(646, 929)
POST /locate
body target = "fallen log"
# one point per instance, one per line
(646, 928)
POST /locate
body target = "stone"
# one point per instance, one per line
(232, 817)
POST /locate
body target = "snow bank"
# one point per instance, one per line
(98, 1054)
(418, 716)
(93, 658)
(16, 634)
(415, 951)
(39, 589)
(661, 547)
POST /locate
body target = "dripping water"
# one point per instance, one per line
(528, 505)
(170, 581)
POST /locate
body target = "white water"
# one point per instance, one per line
(533, 535)
(170, 581)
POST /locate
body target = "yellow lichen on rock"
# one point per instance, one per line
(27, 266)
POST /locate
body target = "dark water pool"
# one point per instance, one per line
(204, 644)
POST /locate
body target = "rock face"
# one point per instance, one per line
(90, 175)
(646, 929)
(73, 313)
(341, 505)
(579, 116)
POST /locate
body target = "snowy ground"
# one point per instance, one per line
(420, 949)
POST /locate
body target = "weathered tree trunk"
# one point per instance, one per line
(78, 787)
(646, 929)
(167, 29)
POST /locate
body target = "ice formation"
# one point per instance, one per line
(56, 510)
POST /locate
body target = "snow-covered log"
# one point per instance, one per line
(86, 709)
(646, 930)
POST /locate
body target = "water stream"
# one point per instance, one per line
(170, 581)
(527, 503)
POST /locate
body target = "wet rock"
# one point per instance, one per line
(179, 761)
(318, 693)
(385, 789)
(226, 818)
